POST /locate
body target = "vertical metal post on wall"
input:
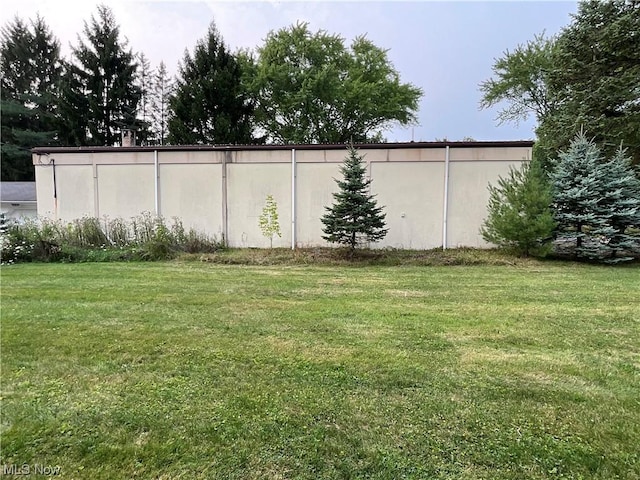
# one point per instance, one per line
(156, 183)
(96, 186)
(55, 188)
(225, 217)
(445, 203)
(293, 199)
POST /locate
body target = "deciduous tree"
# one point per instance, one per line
(268, 221)
(521, 82)
(588, 76)
(312, 89)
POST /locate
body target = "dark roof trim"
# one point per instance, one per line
(321, 146)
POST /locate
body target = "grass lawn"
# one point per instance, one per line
(193, 370)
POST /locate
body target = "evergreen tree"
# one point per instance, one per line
(162, 89)
(588, 75)
(354, 217)
(144, 83)
(104, 77)
(597, 78)
(621, 204)
(520, 215)
(577, 187)
(210, 104)
(30, 72)
(596, 201)
(73, 107)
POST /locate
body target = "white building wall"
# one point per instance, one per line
(412, 194)
(192, 193)
(223, 191)
(248, 186)
(125, 191)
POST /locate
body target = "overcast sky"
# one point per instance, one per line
(446, 48)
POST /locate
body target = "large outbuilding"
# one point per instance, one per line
(434, 193)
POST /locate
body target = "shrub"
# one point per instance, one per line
(520, 215)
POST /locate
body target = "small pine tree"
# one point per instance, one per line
(268, 221)
(354, 217)
(520, 215)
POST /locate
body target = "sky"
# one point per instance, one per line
(447, 48)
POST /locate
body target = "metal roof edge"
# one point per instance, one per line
(315, 146)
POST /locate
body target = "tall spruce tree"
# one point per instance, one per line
(30, 72)
(100, 85)
(144, 83)
(520, 215)
(73, 107)
(162, 89)
(210, 104)
(354, 218)
(596, 202)
(621, 204)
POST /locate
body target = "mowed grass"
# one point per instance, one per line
(191, 370)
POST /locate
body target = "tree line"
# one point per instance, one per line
(299, 87)
(580, 196)
(586, 78)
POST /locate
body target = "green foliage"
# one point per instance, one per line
(596, 202)
(354, 218)
(621, 203)
(30, 71)
(521, 79)
(144, 237)
(586, 77)
(312, 89)
(268, 221)
(520, 215)
(99, 94)
(210, 104)
(597, 78)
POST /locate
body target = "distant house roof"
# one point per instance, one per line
(16, 192)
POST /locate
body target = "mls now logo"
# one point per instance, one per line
(26, 469)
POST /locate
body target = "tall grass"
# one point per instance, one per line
(144, 237)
